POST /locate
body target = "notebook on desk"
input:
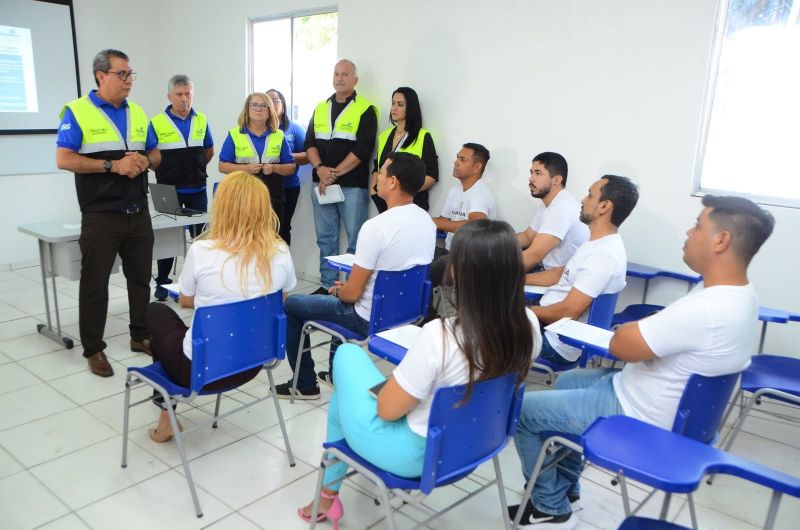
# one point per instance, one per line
(165, 200)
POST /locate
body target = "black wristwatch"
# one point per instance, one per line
(107, 165)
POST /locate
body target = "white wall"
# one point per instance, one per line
(616, 86)
(50, 197)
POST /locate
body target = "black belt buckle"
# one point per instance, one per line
(132, 209)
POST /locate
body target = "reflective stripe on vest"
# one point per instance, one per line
(170, 137)
(102, 134)
(414, 149)
(346, 124)
(245, 151)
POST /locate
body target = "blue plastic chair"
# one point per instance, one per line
(600, 313)
(672, 463)
(227, 339)
(634, 312)
(768, 376)
(698, 416)
(460, 438)
(398, 298)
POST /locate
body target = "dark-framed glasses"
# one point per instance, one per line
(123, 74)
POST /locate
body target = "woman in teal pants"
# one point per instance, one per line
(492, 334)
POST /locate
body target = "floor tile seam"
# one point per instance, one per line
(273, 492)
(166, 469)
(281, 448)
(736, 516)
(54, 494)
(3, 392)
(76, 405)
(151, 477)
(71, 452)
(179, 465)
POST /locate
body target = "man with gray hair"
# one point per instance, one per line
(339, 144)
(103, 138)
(186, 146)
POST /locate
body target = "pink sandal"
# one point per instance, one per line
(334, 512)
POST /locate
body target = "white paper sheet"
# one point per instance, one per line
(404, 336)
(535, 289)
(333, 194)
(582, 332)
(342, 259)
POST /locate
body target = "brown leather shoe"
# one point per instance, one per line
(99, 365)
(141, 346)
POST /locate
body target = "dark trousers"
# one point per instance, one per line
(103, 236)
(438, 266)
(274, 184)
(167, 331)
(290, 204)
(196, 201)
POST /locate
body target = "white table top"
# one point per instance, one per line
(60, 231)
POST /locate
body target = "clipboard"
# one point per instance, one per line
(333, 194)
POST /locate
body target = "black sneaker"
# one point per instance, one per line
(160, 294)
(321, 290)
(533, 518)
(284, 391)
(575, 502)
(325, 377)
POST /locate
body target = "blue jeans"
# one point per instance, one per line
(327, 218)
(300, 308)
(579, 398)
(353, 416)
(549, 353)
(196, 201)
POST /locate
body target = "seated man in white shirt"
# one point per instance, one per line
(598, 267)
(556, 232)
(402, 237)
(711, 331)
(469, 200)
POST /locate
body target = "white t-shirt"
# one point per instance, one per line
(398, 239)
(562, 220)
(435, 361)
(459, 204)
(711, 331)
(213, 279)
(598, 267)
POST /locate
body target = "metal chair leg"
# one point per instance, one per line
(173, 421)
(317, 493)
(502, 490)
(692, 513)
(665, 506)
(216, 411)
(303, 332)
(739, 422)
(125, 418)
(280, 418)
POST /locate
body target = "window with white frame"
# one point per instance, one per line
(294, 54)
(750, 140)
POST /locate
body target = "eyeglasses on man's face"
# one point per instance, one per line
(123, 75)
(258, 106)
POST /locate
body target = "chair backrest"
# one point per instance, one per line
(601, 312)
(399, 297)
(702, 405)
(231, 338)
(668, 461)
(462, 436)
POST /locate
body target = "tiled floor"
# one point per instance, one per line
(61, 438)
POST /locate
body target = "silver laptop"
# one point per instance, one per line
(165, 200)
